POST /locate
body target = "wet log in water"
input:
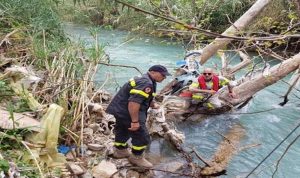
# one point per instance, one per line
(227, 148)
(158, 124)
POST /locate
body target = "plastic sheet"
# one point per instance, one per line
(48, 137)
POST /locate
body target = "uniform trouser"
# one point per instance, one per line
(140, 138)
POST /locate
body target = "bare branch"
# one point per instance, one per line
(249, 146)
(240, 24)
(118, 65)
(207, 163)
(284, 153)
(246, 61)
(274, 74)
(5, 39)
(294, 81)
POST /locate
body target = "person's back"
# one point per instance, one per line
(129, 107)
(118, 106)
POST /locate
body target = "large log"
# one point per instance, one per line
(239, 25)
(261, 81)
(226, 150)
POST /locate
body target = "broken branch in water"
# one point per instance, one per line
(176, 142)
(201, 159)
(117, 65)
(285, 151)
(249, 146)
(294, 80)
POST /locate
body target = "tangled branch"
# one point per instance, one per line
(206, 32)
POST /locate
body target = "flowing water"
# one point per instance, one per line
(265, 122)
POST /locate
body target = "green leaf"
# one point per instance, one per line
(4, 165)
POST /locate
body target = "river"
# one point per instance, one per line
(265, 122)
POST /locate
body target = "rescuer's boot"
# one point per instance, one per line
(121, 153)
(140, 161)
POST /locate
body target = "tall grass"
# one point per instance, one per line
(36, 22)
(68, 67)
(34, 16)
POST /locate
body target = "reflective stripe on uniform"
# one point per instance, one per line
(132, 82)
(138, 148)
(194, 84)
(197, 97)
(154, 94)
(139, 92)
(224, 82)
(120, 144)
(210, 106)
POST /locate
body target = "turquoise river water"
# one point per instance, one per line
(265, 128)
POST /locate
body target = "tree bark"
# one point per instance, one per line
(239, 25)
(246, 60)
(229, 72)
(259, 82)
(226, 150)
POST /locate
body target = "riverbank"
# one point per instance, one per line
(41, 74)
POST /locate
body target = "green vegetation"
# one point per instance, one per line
(34, 36)
(4, 166)
(214, 15)
(13, 151)
(5, 90)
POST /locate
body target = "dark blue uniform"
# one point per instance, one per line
(139, 90)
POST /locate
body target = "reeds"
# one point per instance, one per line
(33, 37)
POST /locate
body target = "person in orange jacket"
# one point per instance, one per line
(208, 83)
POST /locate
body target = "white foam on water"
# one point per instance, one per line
(273, 119)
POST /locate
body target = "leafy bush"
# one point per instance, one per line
(4, 166)
(5, 90)
(33, 16)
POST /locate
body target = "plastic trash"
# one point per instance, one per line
(65, 149)
(48, 137)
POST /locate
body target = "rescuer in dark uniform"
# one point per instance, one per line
(129, 106)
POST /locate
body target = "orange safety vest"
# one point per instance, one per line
(202, 83)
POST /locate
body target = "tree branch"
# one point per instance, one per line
(284, 153)
(118, 65)
(206, 32)
(294, 81)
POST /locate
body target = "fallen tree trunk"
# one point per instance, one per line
(239, 25)
(249, 88)
(227, 148)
